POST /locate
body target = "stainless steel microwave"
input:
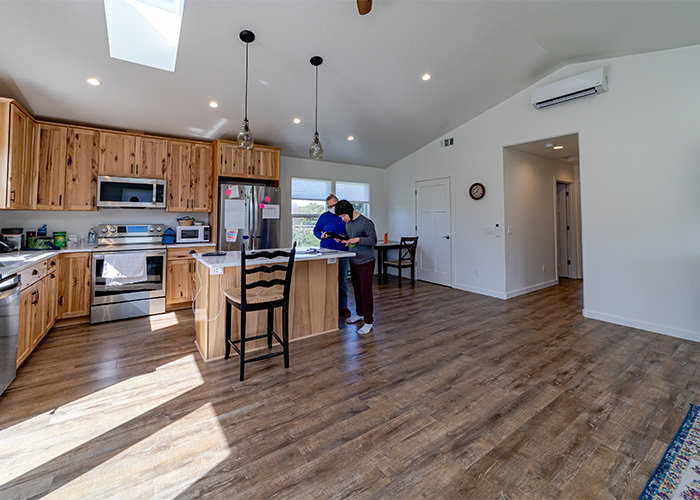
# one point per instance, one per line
(192, 234)
(127, 192)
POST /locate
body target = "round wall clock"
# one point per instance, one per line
(477, 191)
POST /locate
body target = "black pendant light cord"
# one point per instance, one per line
(316, 117)
(246, 82)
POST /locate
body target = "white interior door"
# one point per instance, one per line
(434, 255)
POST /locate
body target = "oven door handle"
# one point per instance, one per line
(159, 253)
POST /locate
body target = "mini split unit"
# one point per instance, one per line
(583, 85)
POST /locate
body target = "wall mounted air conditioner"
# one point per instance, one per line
(583, 85)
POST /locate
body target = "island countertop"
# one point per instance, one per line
(233, 259)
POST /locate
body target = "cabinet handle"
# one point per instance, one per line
(60, 300)
(13, 196)
(60, 200)
(93, 200)
(34, 273)
(193, 251)
(137, 169)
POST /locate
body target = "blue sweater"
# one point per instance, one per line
(330, 222)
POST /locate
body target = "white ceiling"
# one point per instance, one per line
(479, 53)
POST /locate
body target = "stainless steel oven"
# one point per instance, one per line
(142, 295)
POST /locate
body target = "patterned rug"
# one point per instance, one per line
(677, 477)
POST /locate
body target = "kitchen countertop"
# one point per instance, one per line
(233, 259)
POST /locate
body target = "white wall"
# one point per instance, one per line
(79, 223)
(529, 210)
(299, 167)
(640, 189)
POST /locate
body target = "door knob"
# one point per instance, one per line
(447, 237)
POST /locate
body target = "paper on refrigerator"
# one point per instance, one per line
(270, 211)
(234, 214)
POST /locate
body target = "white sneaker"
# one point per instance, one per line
(354, 319)
(366, 328)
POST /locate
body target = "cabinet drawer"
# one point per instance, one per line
(33, 274)
(184, 253)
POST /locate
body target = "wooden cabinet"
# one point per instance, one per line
(82, 155)
(117, 154)
(17, 152)
(26, 322)
(74, 284)
(189, 175)
(181, 277)
(128, 155)
(262, 162)
(50, 286)
(36, 308)
(50, 167)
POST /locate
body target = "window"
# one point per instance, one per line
(309, 202)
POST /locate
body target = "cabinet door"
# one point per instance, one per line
(232, 161)
(151, 157)
(179, 281)
(20, 160)
(39, 313)
(81, 169)
(50, 300)
(74, 285)
(117, 154)
(179, 177)
(50, 158)
(26, 308)
(266, 163)
(201, 180)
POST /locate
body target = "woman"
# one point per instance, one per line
(361, 238)
(328, 221)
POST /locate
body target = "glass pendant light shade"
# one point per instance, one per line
(316, 149)
(245, 136)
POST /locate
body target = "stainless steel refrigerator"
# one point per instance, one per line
(250, 214)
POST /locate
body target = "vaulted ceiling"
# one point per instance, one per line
(478, 53)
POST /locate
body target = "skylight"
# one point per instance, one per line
(144, 31)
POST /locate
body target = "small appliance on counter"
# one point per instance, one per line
(192, 234)
(14, 236)
(5, 245)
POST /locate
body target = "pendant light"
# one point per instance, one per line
(316, 150)
(245, 136)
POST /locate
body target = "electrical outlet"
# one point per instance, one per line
(331, 261)
(544, 268)
(214, 270)
(477, 272)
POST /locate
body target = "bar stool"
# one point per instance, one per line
(257, 296)
(407, 258)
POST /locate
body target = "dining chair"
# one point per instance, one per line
(407, 258)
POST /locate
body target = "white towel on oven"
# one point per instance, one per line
(124, 268)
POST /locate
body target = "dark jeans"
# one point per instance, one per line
(343, 267)
(362, 279)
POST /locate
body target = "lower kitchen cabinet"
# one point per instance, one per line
(181, 278)
(74, 284)
(50, 299)
(28, 300)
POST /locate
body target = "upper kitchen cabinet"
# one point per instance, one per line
(82, 154)
(50, 167)
(189, 175)
(128, 155)
(262, 162)
(16, 156)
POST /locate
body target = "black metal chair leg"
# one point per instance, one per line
(228, 329)
(270, 324)
(285, 334)
(413, 275)
(242, 344)
(400, 269)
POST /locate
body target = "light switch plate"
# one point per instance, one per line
(214, 270)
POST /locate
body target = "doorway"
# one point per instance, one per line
(565, 228)
(433, 226)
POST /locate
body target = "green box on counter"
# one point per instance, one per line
(59, 239)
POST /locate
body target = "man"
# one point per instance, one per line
(361, 238)
(328, 221)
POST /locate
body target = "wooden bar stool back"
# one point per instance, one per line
(407, 258)
(259, 295)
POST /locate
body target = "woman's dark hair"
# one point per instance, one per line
(344, 207)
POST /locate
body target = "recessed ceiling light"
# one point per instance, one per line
(558, 147)
(549, 145)
(213, 104)
(296, 121)
(93, 81)
(351, 138)
(426, 77)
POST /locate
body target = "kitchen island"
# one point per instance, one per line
(313, 304)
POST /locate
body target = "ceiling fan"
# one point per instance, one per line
(364, 6)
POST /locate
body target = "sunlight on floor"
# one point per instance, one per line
(188, 448)
(161, 321)
(34, 442)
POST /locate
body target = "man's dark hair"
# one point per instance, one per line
(344, 207)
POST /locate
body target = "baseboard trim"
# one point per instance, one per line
(533, 288)
(480, 291)
(643, 325)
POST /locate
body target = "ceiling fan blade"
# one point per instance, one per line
(364, 6)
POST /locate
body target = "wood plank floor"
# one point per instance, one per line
(454, 395)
